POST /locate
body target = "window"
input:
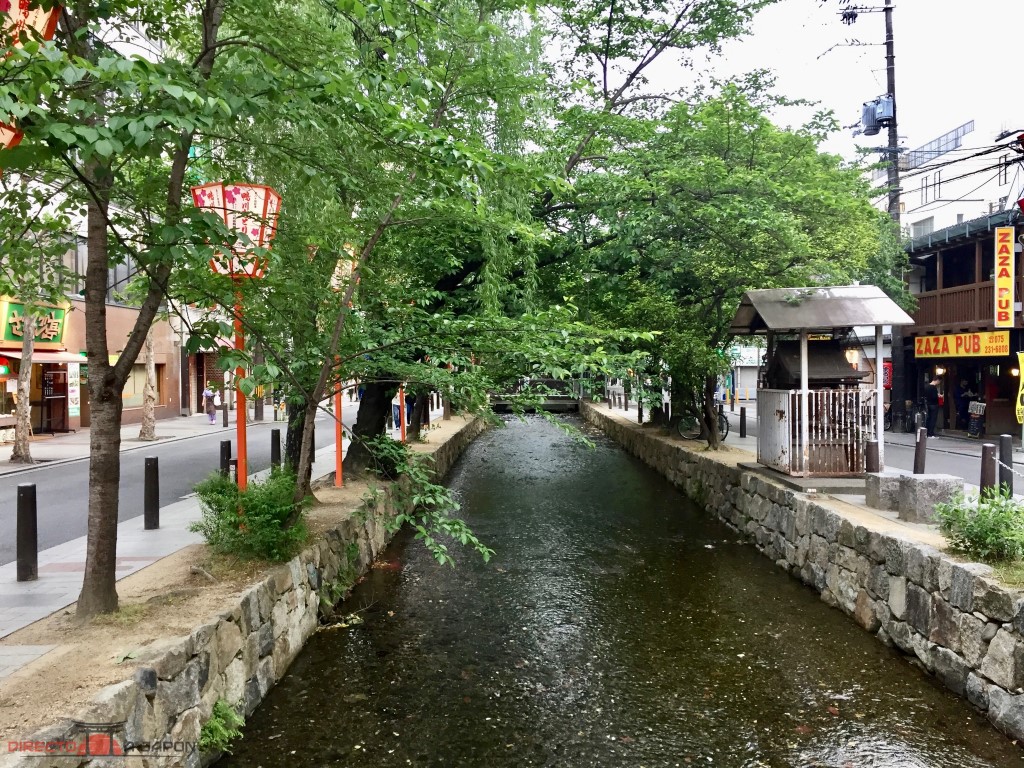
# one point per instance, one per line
(959, 218)
(923, 227)
(135, 387)
(937, 185)
(924, 190)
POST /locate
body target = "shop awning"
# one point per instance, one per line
(49, 357)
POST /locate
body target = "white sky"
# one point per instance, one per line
(956, 60)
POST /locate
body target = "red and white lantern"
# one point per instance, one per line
(251, 209)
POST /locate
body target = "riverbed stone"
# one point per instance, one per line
(1004, 662)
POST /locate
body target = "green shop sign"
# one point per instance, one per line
(49, 326)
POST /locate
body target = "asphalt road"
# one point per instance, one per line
(62, 489)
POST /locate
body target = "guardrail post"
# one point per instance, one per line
(871, 462)
(225, 457)
(988, 467)
(28, 536)
(275, 447)
(1006, 462)
(743, 421)
(920, 451)
(151, 495)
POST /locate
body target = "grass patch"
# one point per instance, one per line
(125, 616)
(1010, 573)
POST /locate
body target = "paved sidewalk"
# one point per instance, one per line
(61, 567)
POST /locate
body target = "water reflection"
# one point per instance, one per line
(617, 626)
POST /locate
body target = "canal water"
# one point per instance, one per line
(616, 627)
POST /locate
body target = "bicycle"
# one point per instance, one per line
(692, 428)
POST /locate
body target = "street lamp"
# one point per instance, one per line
(17, 19)
(251, 209)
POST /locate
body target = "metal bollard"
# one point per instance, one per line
(233, 470)
(871, 462)
(225, 457)
(920, 451)
(743, 421)
(1006, 462)
(639, 412)
(732, 403)
(151, 495)
(27, 533)
(988, 467)
(275, 447)
(225, 407)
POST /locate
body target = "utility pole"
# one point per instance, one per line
(897, 395)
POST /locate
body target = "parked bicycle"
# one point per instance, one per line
(691, 427)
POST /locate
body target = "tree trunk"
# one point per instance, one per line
(148, 429)
(293, 435)
(257, 398)
(418, 410)
(22, 454)
(711, 412)
(370, 420)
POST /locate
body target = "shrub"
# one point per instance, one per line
(223, 727)
(989, 527)
(253, 523)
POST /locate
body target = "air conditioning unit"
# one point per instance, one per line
(885, 109)
(868, 118)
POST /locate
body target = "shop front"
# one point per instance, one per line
(972, 368)
(55, 391)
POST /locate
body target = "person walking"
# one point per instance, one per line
(209, 403)
(931, 400)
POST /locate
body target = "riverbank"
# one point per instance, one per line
(963, 626)
(181, 642)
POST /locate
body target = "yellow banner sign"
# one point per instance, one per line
(1020, 388)
(1004, 277)
(988, 344)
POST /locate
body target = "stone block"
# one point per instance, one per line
(919, 609)
(977, 691)
(864, 612)
(882, 490)
(167, 656)
(1004, 661)
(146, 678)
(901, 635)
(950, 669)
(945, 628)
(250, 614)
(229, 643)
(993, 600)
(112, 704)
(895, 555)
(878, 582)
(898, 597)
(920, 565)
(972, 641)
(962, 584)
(181, 693)
(920, 493)
(1006, 711)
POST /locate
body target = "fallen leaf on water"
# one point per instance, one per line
(803, 729)
(833, 710)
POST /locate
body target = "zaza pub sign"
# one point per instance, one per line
(988, 344)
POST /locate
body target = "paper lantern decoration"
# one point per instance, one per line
(16, 18)
(251, 209)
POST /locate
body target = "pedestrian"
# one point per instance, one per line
(931, 400)
(210, 398)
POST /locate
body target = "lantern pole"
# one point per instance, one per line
(240, 409)
(339, 454)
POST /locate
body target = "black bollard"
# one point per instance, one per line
(920, 451)
(151, 495)
(743, 421)
(1006, 462)
(225, 407)
(988, 467)
(225, 457)
(871, 462)
(275, 447)
(639, 412)
(28, 537)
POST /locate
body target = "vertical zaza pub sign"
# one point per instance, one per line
(1004, 277)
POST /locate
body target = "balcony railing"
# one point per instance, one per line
(960, 306)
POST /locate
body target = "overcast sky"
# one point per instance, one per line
(955, 61)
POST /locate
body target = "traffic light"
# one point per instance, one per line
(5, 366)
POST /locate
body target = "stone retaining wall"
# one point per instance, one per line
(240, 654)
(963, 626)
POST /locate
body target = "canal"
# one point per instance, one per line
(617, 626)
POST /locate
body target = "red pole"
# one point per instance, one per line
(339, 480)
(243, 453)
(401, 409)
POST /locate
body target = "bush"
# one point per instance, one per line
(253, 523)
(990, 527)
(223, 727)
